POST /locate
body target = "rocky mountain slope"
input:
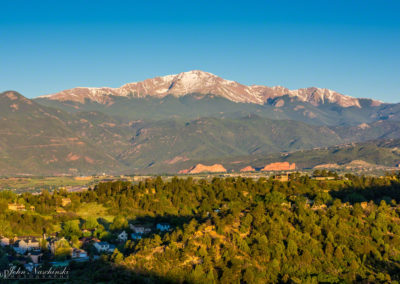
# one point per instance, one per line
(40, 140)
(161, 145)
(43, 140)
(172, 123)
(204, 83)
(197, 94)
(164, 143)
(381, 155)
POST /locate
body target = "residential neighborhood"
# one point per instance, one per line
(32, 251)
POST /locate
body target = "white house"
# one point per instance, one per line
(22, 246)
(163, 227)
(101, 246)
(79, 254)
(104, 247)
(76, 253)
(123, 236)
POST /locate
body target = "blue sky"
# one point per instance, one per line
(349, 46)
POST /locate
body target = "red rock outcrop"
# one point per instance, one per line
(185, 171)
(200, 168)
(248, 169)
(285, 166)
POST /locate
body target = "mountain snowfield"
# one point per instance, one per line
(200, 82)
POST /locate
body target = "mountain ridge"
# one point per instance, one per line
(204, 83)
(43, 139)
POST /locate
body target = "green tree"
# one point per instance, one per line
(5, 228)
(91, 223)
(71, 228)
(119, 223)
(117, 257)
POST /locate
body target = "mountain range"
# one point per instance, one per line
(169, 123)
(204, 83)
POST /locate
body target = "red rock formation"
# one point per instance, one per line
(200, 168)
(248, 169)
(285, 166)
(185, 171)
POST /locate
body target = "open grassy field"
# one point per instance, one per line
(94, 210)
(21, 184)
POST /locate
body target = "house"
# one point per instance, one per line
(4, 241)
(65, 202)
(79, 255)
(88, 240)
(139, 229)
(60, 210)
(104, 247)
(87, 232)
(319, 207)
(135, 236)
(101, 246)
(163, 227)
(123, 237)
(24, 245)
(283, 177)
(111, 248)
(16, 207)
(324, 178)
(347, 205)
(35, 256)
(286, 204)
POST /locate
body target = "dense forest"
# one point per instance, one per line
(231, 230)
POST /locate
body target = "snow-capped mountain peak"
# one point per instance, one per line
(204, 83)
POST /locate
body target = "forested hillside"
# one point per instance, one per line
(231, 230)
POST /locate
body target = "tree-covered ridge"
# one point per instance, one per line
(240, 230)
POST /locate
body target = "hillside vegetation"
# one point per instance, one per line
(231, 230)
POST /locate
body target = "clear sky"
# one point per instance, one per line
(349, 46)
